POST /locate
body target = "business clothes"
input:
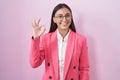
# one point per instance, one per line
(76, 66)
(62, 43)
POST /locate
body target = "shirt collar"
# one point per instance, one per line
(61, 38)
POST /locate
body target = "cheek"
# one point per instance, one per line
(69, 22)
(58, 23)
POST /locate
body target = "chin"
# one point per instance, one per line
(64, 28)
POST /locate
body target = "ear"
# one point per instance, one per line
(54, 19)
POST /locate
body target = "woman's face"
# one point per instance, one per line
(63, 18)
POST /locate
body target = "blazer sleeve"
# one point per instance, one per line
(37, 54)
(84, 64)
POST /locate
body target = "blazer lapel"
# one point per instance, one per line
(54, 53)
(69, 52)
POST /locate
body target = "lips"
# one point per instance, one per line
(64, 24)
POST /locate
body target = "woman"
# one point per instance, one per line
(65, 52)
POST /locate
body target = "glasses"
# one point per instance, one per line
(60, 17)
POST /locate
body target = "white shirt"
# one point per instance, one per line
(62, 43)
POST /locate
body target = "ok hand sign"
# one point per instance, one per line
(38, 29)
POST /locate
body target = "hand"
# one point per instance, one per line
(38, 29)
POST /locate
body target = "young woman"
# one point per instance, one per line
(65, 52)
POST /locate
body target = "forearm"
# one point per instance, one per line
(36, 53)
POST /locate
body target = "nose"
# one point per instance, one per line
(64, 18)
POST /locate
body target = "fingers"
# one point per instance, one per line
(44, 27)
(36, 23)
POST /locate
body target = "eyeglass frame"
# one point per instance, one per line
(61, 17)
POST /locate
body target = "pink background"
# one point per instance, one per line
(98, 20)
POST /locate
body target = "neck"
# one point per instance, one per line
(63, 32)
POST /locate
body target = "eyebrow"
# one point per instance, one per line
(62, 14)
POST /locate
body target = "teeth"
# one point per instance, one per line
(64, 24)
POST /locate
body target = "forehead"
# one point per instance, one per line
(63, 11)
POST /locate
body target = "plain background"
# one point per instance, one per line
(98, 20)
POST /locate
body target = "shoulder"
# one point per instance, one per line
(81, 39)
(48, 35)
(79, 36)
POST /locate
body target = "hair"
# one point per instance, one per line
(53, 25)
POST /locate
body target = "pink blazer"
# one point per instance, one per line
(76, 65)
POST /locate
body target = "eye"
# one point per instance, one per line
(60, 16)
(67, 15)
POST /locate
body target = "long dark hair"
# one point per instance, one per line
(53, 25)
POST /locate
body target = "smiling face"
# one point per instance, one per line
(63, 18)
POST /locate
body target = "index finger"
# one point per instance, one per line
(38, 21)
